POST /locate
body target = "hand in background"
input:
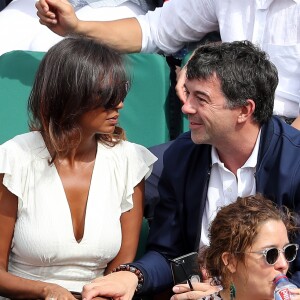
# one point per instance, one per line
(57, 15)
(180, 89)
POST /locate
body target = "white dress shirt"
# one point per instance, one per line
(224, 187)
(274, 25)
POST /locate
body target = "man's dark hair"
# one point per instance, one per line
(245, 72)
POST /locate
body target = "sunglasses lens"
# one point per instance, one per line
(290, 252)
(272, 256)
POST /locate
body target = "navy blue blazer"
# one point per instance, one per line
(176, 227)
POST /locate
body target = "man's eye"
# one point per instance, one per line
(200, 99)
(186, 92)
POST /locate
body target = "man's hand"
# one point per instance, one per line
(119, 286)
(180, 89)
(57, 15)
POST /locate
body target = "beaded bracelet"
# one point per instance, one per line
(133, 270)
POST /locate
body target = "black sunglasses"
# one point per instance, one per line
(112, 104)
(272, 254)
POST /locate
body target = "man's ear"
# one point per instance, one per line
(246, 111)
(229, 261)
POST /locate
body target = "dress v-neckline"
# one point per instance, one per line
(86, 206)
(67, 205)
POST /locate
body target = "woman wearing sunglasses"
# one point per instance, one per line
(72, 189)
(250, 244)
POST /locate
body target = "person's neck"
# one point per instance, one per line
(225, 295)
(84, 153)
(236, 150)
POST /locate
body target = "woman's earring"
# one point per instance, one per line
(232, 291)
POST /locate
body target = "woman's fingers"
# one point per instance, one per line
(183, 292)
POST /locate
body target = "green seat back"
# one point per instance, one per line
(17, 71)
(143, 117)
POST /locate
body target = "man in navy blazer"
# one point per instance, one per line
(235, 147)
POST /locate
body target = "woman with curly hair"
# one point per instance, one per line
(250, 244)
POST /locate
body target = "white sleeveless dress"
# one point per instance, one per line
(44, 247)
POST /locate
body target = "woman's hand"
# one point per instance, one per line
(56, 292)
(295, 293)
(201, 289)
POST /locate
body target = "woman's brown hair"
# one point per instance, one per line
(235, 228)
(75, 76)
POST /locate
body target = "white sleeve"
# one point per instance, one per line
(139, 165)
(167, 29)
(11, 165)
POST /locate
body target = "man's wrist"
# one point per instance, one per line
(134, 270)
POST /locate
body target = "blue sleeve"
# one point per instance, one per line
(165, 238)
(156, 270)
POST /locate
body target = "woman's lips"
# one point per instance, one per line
(113, 120)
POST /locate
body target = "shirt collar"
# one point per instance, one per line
(251, 161)
(263, 4)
